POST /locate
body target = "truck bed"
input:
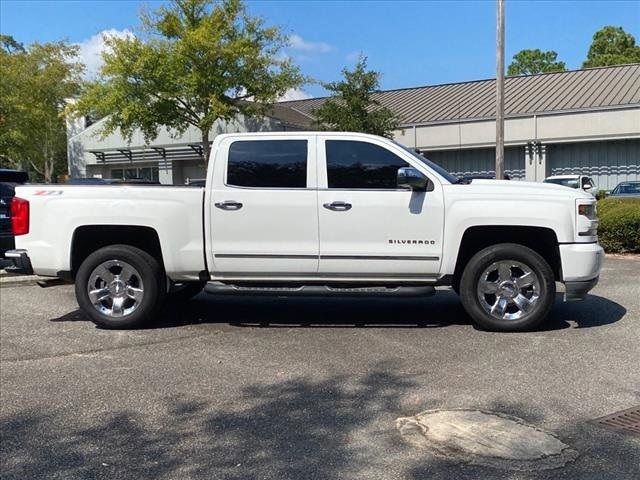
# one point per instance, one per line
(57, 211)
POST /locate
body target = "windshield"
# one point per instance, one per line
(434, 166)
(567, 182)
(627, 188)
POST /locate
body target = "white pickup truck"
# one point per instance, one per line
(312, 213)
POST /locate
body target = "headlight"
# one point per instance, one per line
(587, 219)
(588, 210)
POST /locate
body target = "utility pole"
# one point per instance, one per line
(500, 90)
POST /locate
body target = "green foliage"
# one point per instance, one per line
(532, 62)
(352, 107)
(619, 229)
(202, 61)
(35, 82)
(612, 46)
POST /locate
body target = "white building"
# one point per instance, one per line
(169, 158)
(581, 121)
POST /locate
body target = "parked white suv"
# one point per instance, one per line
(312, 213)
(573, 181)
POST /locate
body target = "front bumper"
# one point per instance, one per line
(578, 290)
(19, 262)
(581, 265)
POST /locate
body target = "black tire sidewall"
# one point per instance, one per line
(152, 279)
(507, 251)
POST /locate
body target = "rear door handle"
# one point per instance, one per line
(338, 206)
(229, 205)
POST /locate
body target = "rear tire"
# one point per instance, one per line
(507, 288)
(120, 286)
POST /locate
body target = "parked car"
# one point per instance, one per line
(627, 190)
(573, 181)
(313, 213)
(8, 180)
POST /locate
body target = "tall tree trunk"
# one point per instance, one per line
(205, 146)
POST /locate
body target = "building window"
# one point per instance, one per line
(357, 165)
(150, 174)
(268, 164)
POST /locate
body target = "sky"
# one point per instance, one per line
(411, 43)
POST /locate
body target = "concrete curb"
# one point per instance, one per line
(12, 280)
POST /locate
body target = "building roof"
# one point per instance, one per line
(290, 116)
(574, 90)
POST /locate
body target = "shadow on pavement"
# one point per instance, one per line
(337, 427)
(443, 309)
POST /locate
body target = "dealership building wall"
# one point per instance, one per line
(171, 158)
(575, 122)
(604, 144)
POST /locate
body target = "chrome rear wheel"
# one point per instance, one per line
(115, 288)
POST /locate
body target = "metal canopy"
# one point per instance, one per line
(149, 154)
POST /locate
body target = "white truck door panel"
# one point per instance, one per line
(367, 225)
(264, 207)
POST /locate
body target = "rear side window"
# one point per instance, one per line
(352, 164)
(268, 164)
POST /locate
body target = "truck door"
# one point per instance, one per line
(264, 206)
(368, 226)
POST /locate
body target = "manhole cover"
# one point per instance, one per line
(626, 420)
(485, 438)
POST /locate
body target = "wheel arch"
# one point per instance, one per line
(541, 240)
(87, 239)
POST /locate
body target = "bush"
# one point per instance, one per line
(619, 229)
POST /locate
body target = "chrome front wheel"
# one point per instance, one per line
(508, 290)
(507, 287)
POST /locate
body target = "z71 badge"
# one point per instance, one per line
(48, 192)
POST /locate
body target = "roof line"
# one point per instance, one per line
(491, 79)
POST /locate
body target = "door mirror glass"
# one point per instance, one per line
(410, 178)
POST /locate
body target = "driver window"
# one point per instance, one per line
(361, 165)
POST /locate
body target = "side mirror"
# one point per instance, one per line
(586, 184)
(412, 179)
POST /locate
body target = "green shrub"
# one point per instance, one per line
(619, 230)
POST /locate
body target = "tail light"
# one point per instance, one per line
(19, 209)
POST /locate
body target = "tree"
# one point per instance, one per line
(201, 61)
(352, 107)
(612, 46)
(34, 84)
(532, 62)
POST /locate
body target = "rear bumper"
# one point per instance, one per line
(19, 262)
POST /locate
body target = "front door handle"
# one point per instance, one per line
(229, 205)
(338, 206)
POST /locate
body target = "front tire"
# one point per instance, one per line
(507, 288)
(120, 286)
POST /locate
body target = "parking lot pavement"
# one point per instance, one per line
(237, 388)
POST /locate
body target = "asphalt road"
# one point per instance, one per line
(306, 389)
